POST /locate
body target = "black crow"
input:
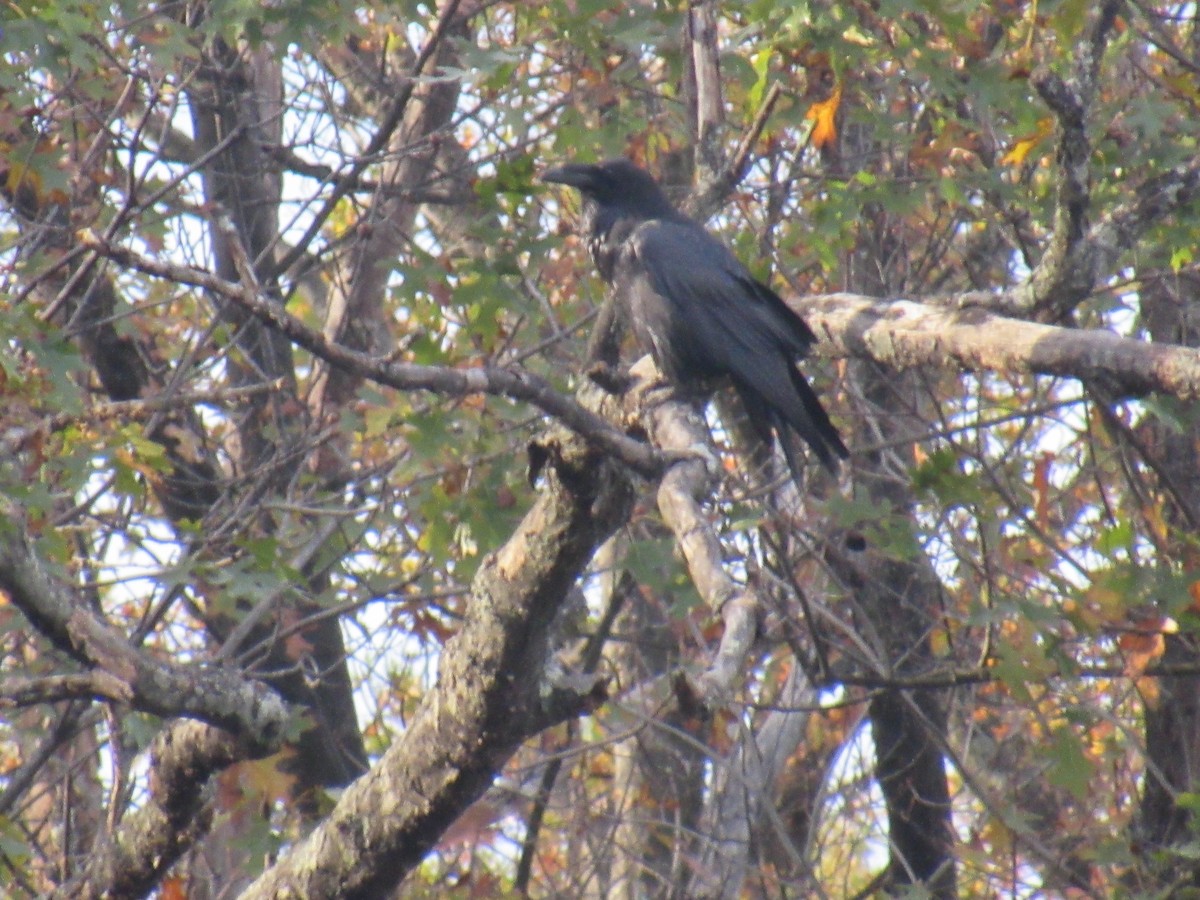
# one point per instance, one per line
(695, 308)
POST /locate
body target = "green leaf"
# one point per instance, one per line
(1070, 768)
(760, 62)
(942, 475)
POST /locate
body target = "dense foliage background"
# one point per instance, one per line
(322, 567)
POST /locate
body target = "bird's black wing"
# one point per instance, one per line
(704, 315)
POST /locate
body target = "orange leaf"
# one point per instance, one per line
(1155, 523)
(1149, 690)
(1146, 641)
(1140, 644)
(1041, 490)
(474, 826)
(296, 645)
(822, 114)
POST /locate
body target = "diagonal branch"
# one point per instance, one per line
(674, 428)
(709, 194)
(21, 691)
(515, 383)
(175, 815)
(250, 711)
(491, 694)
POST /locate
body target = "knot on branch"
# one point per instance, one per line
(1064, 101)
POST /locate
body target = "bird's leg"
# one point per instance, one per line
(604, 349)
(610, 378)
(604, 343)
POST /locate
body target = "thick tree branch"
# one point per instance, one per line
(249, 710)
(904, 334)
(490, 694)
(1059, 283)
(98, 684)
(900, 333)
(708, 112)
(182, 761)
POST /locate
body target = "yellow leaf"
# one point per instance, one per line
(1149, 690)
(1020, 149)
(22, 177)
(939, 642)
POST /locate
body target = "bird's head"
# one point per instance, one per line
(615, 183)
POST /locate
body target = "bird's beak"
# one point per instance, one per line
(576, 175)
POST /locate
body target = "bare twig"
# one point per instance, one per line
(709, 196)
(389, 122)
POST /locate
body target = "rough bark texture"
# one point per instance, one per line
(219, 696)
(904, 334)
(134, 860)
(489, 697)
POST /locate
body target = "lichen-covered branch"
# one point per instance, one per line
(1059, 283)
(490, 694)
(903, 334)
(248, 710)
(676, 429)
(149, 841)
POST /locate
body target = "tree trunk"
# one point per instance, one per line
(1172, 718)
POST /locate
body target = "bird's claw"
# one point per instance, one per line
(610, 379)
(701, 453)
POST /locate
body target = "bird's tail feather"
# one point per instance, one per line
(787, 443)
(787, 415)
(811, 423)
